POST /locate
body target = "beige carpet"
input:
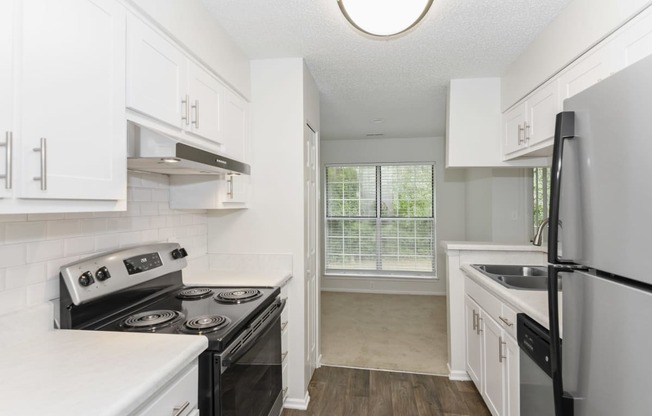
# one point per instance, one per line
(389, 332)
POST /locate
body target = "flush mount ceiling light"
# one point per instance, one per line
(384, 18)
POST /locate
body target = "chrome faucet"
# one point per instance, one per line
(538, 236)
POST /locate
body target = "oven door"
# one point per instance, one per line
(250, 381)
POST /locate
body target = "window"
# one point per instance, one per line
(541, 195)
(380, 220)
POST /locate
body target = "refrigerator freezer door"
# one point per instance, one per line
(606, 190)
(607, 345)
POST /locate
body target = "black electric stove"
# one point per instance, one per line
(140, 289)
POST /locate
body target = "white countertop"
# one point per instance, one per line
(489, 246)
(236, 278)
(70, 372)
(534, 303)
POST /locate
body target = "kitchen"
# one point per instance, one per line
(75, 210)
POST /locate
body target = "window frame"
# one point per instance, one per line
(361, 273)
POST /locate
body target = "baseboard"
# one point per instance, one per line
(386, 291)
(297, 404)
(457, 375)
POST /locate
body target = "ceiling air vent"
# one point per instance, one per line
(375, 134)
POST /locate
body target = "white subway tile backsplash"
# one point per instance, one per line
(44, 250)
(13, 300)
(26, 275)
(12, 255)
(63, 229)
(39, 244)
(20, 232)
(78, 246)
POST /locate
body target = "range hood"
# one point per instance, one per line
(151, 151)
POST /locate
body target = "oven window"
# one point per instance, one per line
(252, 384)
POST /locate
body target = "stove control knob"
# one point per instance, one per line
(179, 253)
(86, 279)
(102, 274)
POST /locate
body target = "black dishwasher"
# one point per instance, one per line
(536, 395)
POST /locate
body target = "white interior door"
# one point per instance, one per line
(311, 243)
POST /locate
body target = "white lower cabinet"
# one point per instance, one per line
(284, 340)
(179, 397)
(492, 353)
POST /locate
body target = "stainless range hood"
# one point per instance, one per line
(151, 151)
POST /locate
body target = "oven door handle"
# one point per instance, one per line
(229, 359)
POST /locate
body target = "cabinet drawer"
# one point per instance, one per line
(507, 320)
(284, 335)
(285, 381)
(484, 299)
(181, 391)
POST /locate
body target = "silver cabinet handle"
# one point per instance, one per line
(9, 144)
(475, 322)
(283, 325)
(195, 107)
(178, 410)
(506, 321)
(285, 390)
(479, 329)
(44, 165)
(520, 131)
(283, 356)
(526, 135)
(500, 349)
(186, 110)
(229, 187)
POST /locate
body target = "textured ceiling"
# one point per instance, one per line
(403, 81)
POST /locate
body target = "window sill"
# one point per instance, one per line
(355, 276)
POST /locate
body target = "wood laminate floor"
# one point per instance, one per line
(336, 391)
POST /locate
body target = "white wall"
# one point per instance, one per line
(34, 246)
(275, 221)
(450, 203)
(497, 205)
(192, 25)
(575, 30)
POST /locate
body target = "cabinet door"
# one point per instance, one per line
(70, 91)
(157, 74)
(235, 128)
(473, 342)
(493, 368)
(511, 351)
(635, 41)
(514, 129)
(542, 109)
(205, 100)
(6, 94)
(585, 72)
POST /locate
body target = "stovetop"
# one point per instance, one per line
(217, 321)
(140, 289)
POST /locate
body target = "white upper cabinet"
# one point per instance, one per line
(6, 94)
(70, 131)
(635, 42)
(204, 103)
(235, 122)
(585, 72)
(156, 75)
(530, 124)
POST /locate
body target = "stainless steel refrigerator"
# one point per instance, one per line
(600, 244)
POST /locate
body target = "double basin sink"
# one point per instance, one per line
(516, 276)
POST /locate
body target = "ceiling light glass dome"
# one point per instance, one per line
(383, 18)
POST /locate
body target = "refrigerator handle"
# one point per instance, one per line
(564, 129)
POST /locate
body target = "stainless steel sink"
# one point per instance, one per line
(515, 276)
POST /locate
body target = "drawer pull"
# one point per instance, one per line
(506, 321)
(178, 411)
(283, 356)
(285, 391)
(479, 329)
(475, 320)
(284, 325)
